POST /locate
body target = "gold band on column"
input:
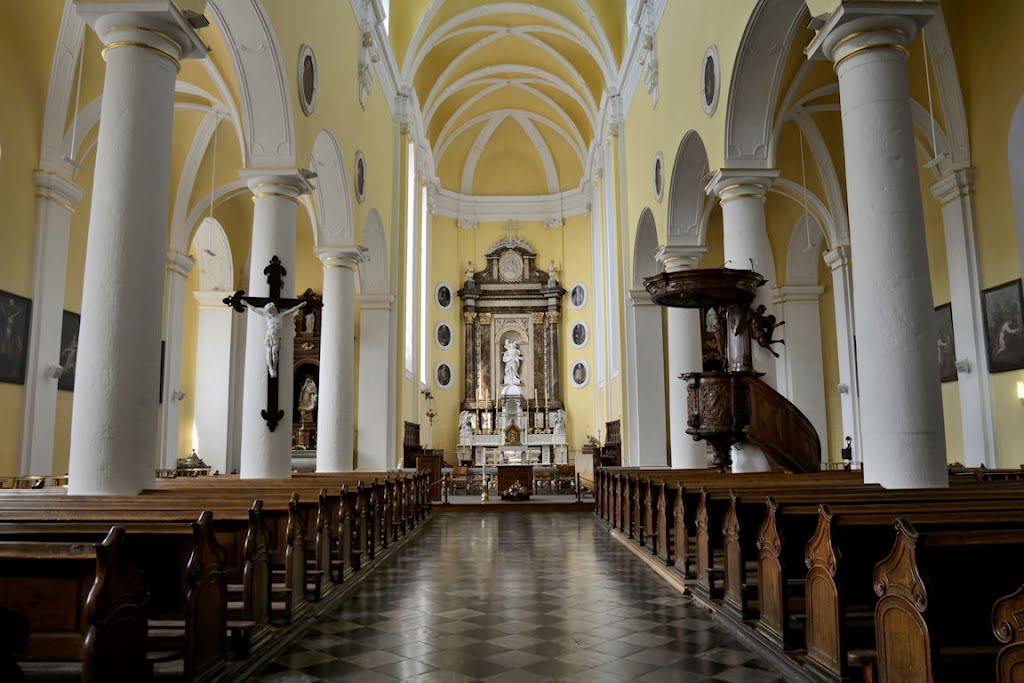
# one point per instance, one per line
(741, 195)
(144, 46)
(123, 27)
(258, 195)
(881, 46)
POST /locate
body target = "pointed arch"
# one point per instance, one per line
(334, 225)
(686, 197)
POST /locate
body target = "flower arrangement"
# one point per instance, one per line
(515, 492)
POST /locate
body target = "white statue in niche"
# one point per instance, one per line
(558, 422)
(466, 420)
(512, 358)
(307, 397)
(309, 323)
(273, 338)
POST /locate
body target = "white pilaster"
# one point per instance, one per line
(901, 407)
(114, 424)
(214, 345)
(178, 268)
(803, 373)
(267, 454)
(838, 261)
(56, 199)
(376, 410)
(337, 360)
(955, 193)
(746, 246)
(645, 375)
(685, 354)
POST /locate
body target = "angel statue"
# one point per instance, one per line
(512, 357)
(273, 338)
(466, 423)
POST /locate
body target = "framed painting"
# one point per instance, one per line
(1003, 308)
(15, 322)
(70, 324)
(946, 343)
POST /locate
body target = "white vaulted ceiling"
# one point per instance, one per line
(510, 91)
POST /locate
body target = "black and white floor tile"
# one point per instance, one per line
(517, 598)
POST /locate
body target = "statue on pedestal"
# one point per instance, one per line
(466, 419)
(558, 421)
(512, 358)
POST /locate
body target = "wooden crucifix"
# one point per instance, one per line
(272, 309)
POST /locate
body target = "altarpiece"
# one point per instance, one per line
(512, 410)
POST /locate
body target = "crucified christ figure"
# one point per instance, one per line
(273, 338)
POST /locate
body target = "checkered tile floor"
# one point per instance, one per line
(517, 598)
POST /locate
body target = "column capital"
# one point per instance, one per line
(376, 302)
(837, 258)
(179, 264)
(674, 257)
(956, 185)
(732, 183)
(856, 27)
(797, 293)
(155, 25)
(57, 189)
(212, 299)
(289, 183)
(348, 256)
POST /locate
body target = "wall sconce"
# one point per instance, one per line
(1020, 392)
(843, 388)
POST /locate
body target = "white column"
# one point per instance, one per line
(334, 445)
(646, 378)
(901, 402)
(685, 354)
(56, 198)
(742, 196)
(804, 370)
(114, 424)
(267, 454)
(838, 261)
(214, 345)
(955, 193)
(178, 268)
(376, 409)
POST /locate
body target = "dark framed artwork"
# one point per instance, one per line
(15, 322)
(578, 295)
(946, 343)
(443, 295)
(69, 326)
(579, 334)
(579, 374)
(360, 179)
(1003, 308)
(443, 375)
(443, 335)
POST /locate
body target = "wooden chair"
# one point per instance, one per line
(565, 476)
(459, 479)
(543, 478)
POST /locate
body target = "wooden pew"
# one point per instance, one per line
(85, 605)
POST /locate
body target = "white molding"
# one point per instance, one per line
(756, 79)
(186, 181)
(333, 198)
(418, 49)
(262, 83)
(487, 209)
(67, 50)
